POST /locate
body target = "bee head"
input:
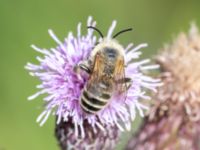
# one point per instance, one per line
(109, 46)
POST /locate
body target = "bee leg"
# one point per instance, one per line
(126, 82)
(85, 68)
(82, 66)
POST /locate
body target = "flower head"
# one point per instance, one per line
(63, 85)
(173, 122)
(180, 60)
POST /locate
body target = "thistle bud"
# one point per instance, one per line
(93, 140)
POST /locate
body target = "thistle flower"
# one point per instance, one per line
(63, 86)
(173, 122)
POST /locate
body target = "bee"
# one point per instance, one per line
(106, 69)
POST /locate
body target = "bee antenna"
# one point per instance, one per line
(122, 31)
(91, 27)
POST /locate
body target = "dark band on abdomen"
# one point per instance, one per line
(93, 100)
(105, 96)
(88, 108)
(91, 104)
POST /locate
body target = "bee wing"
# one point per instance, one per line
(97, 70)
(119, 77)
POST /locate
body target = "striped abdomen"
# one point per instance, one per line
(91, 102)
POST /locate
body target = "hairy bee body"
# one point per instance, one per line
(106, 67)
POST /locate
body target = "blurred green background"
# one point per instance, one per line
(25, 22)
